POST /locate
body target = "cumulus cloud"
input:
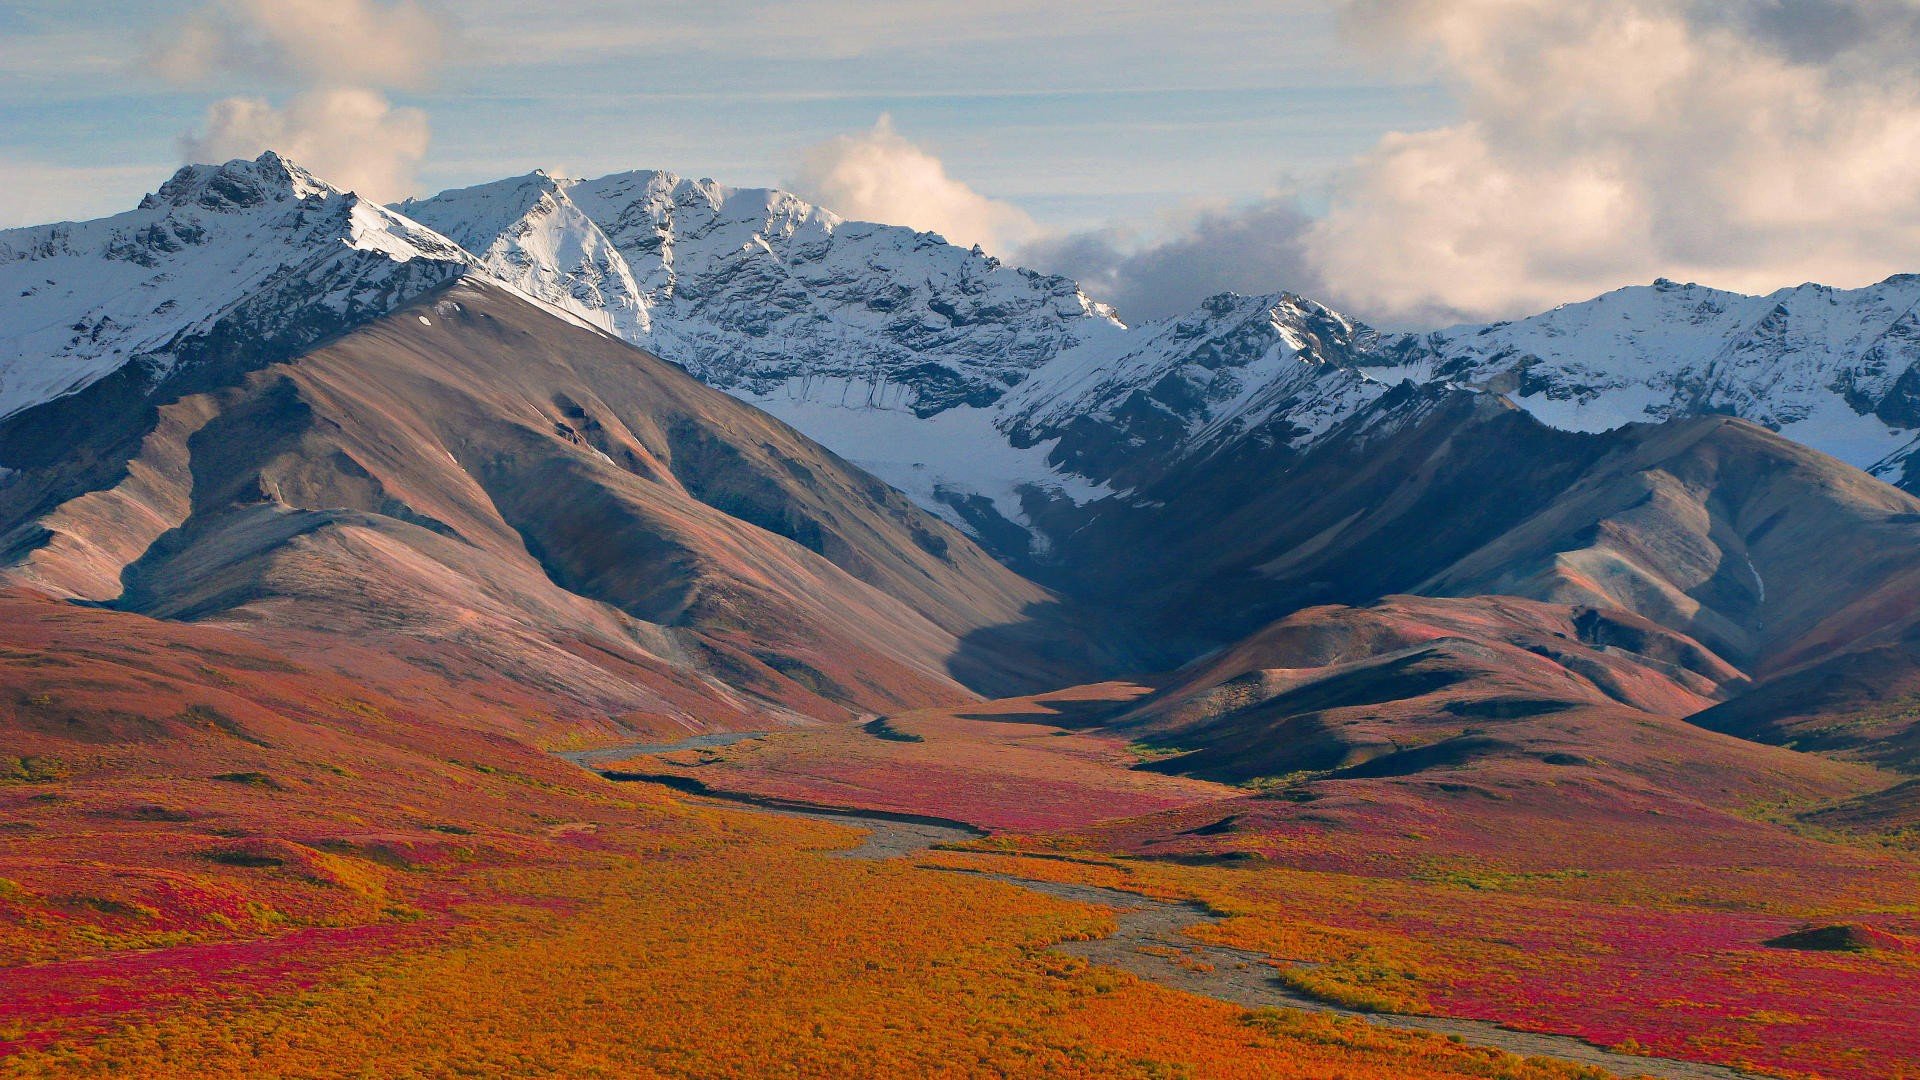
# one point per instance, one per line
(880, 175)
(352, 138)
(1210, 249)
(1602, 142)
(1608, 141)
(341, 54)
(1194, 252)
(320, 42)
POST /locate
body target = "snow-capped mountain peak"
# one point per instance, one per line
(1836, 369)
(263, 249)
(1278, 364)
(528, 232)
(238, 184)
(762, 293)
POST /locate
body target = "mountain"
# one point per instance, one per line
(1489, 689)
(1280, 370)
(430, 475)
(1794, 571)
(888, 344)
(258, 250)
(899, 350)
(1003, 400)
(1268, 453)
(1834, 369)
(1769, 553)
(758, 292)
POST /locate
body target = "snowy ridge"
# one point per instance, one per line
(762, 294)
(1278, 367)
(261, 249)
(1835, 369)
(526, 232)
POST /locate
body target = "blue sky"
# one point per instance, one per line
(1078, 113)
(1414, 162)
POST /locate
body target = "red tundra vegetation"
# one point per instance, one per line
(221, 862)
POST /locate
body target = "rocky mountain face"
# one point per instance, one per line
(1837, 370)
(1280, 370)
(1834, 369)
(1016, 407)
(758, 292)
(257, 252)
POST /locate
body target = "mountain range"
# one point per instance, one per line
(1039, 398)
(258, 400)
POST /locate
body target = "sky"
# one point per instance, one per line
(1416, 162)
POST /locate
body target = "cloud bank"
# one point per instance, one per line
(1748, 146)
(352, 138)
(339, 55)
(1600, 142)
(336, 42)
(879, 175)
(1206, 250)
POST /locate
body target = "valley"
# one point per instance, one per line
(1400, 899)
(1153, 939)
(640, 627)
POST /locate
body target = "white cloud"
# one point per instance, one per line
(312, 42)
(879, 175)
(1608, 141)
(343, 53)
(1197, 250)
(352, 138)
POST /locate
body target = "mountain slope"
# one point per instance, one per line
(1415, 687)
(1862, 704)
(1769, 553)
(1277, 370)
(889, 345)
(472, 486)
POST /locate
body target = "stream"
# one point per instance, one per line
(1150, 941)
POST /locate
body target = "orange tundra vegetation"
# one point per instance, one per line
(737, 949)
(1536, 896)
(219, 862)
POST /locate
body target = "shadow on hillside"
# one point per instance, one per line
(1076, 714)
(1054, 645)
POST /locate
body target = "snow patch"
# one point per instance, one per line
(958, 450)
